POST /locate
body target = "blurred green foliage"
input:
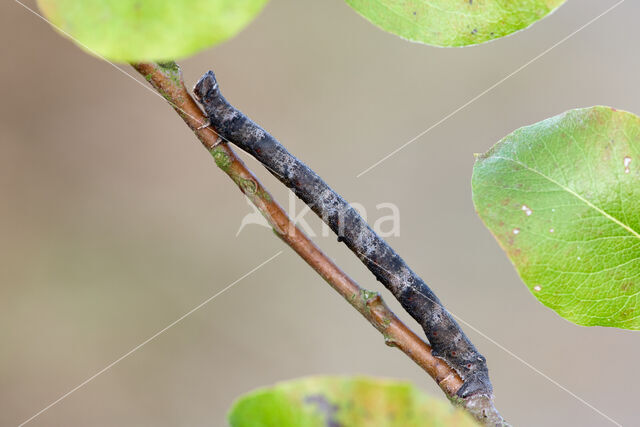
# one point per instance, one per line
(149, 30)
(450, 23)
(344, 401)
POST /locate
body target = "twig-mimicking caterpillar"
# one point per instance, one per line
(445, 335)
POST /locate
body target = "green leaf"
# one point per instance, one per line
(149, 30)
(562, 197)
(354, 401)
(453, 22)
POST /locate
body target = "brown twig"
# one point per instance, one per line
(167, 80)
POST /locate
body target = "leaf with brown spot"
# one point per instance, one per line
(344, 401)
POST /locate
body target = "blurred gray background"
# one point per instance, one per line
(114, 221)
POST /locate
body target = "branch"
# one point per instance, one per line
(167, 80)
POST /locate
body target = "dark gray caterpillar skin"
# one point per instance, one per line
(445, 336)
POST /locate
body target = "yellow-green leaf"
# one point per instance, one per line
(453, 22)
(562, 197)
(344, 401)
(149, 30)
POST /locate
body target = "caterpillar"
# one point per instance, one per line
(447, 339)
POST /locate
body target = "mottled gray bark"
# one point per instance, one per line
(445, 335)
